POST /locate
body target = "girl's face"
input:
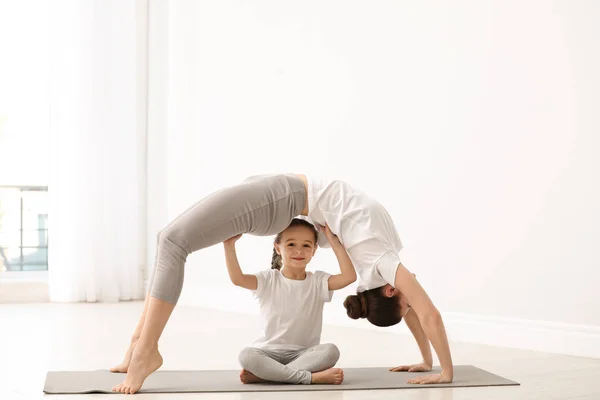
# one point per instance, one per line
(296, 247)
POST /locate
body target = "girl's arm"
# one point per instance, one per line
(238, 278)
(347, 273)
(430, 320)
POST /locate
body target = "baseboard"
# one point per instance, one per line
(547, 337)
(23, 291)
(225, 299)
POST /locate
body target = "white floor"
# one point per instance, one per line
(35, 338)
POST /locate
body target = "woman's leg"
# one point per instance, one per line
(124, 366)
(261, 207)
(145, 357)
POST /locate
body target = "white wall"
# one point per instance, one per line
(158, 106)
(24, 93)
(474, 123)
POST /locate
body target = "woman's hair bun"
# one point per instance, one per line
(356, 306)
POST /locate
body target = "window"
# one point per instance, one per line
(24, 135)
(23, 228)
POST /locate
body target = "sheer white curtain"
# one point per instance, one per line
(97, 170)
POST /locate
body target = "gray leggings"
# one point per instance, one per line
(289, 366)
(260, 205)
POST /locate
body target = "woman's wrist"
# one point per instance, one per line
(447, 374)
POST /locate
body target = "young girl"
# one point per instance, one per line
(291, 309)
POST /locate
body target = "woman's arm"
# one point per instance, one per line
(347, 273)
(238, 278)
(412, 321)
(430, 321)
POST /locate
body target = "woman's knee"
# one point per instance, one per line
(171, 241)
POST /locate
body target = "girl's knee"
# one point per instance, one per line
(332, 351)
(247, 356)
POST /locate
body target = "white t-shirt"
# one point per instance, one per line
(291, 311)
(363, 226)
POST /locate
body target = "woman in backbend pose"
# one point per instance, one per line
(265, 205)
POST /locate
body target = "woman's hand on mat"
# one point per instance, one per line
(429, 379)
(412, 368)
(231, 241)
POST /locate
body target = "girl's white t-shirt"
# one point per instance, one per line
(291, 311)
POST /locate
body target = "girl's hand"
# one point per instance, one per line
(412, 368)
(331, 238)
(231, 241)
(429, 379)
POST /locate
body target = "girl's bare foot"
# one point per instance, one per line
(249, 377)
(125, 364)
(143, 363)
(332, 376)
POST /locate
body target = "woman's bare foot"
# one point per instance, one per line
(249, 377)
(143, 363)
(125, 364)
(332, 376)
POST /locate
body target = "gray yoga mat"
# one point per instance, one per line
(102, 381)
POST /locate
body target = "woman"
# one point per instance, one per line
(265, 205)
(388, 291)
